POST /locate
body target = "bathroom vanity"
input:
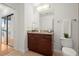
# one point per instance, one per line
(41, 42)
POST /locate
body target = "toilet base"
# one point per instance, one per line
(68, 52)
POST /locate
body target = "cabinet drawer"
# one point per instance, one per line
(47, 36)
(33, 36)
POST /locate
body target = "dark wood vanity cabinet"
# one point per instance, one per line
(40, 43)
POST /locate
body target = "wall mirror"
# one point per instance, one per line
(45, 15)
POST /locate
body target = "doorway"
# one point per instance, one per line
(7, 30)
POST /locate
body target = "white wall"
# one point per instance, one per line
(61, 12)
(75, 35)
(20, 34)
(66, 26)
(0, 31)
(32, 17)
(36, 19)
(78, 28)
(29, 16)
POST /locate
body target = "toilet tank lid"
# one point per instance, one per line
(69, 51)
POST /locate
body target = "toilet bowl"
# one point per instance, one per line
(67, 47)
(68, 51)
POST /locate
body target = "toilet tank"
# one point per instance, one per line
(66, 42)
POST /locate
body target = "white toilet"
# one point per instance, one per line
(67, 47)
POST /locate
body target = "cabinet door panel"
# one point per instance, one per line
(45, 46)
(33, 43)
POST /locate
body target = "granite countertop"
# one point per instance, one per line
(42, 32)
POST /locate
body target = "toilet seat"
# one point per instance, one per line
(68, 51)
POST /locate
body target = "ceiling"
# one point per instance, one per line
(5, 10)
